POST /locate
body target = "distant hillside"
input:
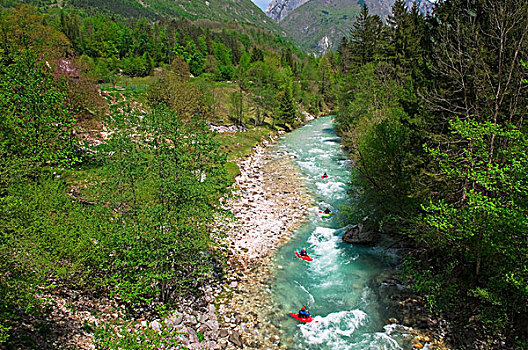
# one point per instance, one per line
(319, 25)
(241, 11)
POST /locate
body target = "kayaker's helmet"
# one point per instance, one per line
(304, 249)
(303, 308)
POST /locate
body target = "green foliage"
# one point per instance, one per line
(127, 337)
(243, 11)
(4, 333)
(434, 122)
(37, 120)
(130, 218)
(486, 226)
(200, 336)
(240, 143)
(136, 47)
(287, 113)
(439, 289)
(237, 107)
(166, 185)
(385, 144)
(365, 41)
(232, 171)
(43, 232)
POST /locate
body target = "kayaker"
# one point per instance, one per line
(303, 252)
(327, 211)
(324, 175)
(304, 313)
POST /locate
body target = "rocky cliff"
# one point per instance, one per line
(279, 9)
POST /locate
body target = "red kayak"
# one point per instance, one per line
(324, 177)
(305, 320)
(307, 258)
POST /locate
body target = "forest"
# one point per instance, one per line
(432, 111)
(105, 141)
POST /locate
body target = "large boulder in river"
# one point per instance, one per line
(357, 235)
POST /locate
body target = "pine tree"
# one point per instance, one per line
(366, 37)
(287, 107)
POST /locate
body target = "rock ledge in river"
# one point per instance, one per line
(356, 235)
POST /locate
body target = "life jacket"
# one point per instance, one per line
(304, 313)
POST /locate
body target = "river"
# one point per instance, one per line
(342, 286)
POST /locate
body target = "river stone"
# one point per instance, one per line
(235, 339)
(190, 319)
(174, 321)
(356, 235)
(222, 333)
(212, 335)
(210, 345)
(203, 318)
(212, 325)
(155, 325)
(193, 337)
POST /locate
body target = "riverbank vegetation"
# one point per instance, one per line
(110, 175)
(433, 112)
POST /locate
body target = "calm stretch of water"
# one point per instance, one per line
(341, 286)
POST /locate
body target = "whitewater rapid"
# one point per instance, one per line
(341, 286)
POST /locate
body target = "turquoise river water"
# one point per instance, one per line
(343, 285)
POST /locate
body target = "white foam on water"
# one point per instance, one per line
(324, 243)
(336, 331)
(309, 167)
(331, 189)
(324, 156)
(316, 151)
(333, 331)
(312, 299)
(330, 284)
(321, 236)
(365, 295)
(314, 210)
(386, 340)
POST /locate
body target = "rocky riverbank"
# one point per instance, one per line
(270, 202)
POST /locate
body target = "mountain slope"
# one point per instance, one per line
(319, 25)
(240, 11)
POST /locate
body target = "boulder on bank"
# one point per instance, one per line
(357, 235)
